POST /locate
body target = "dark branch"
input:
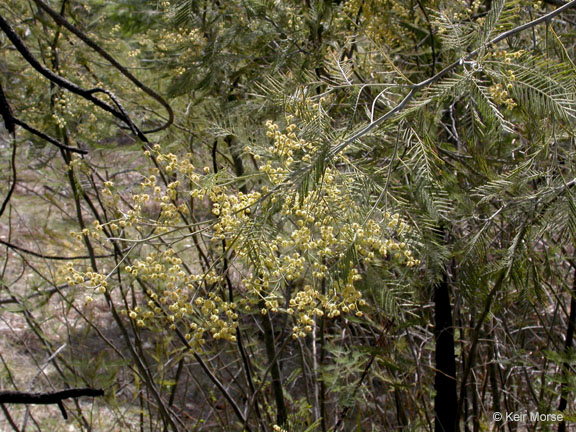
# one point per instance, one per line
(56, 398)
(555, 2)
(6, 112)
(16, 397)
(63, 22)
(14, 176)
(48, 138)
(50, 257)
(64, 83)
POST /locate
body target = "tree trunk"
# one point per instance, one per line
(446, 401)
(281, 411)
(567, 347)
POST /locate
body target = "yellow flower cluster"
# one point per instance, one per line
(315, 236)
(501, 96)
(167, 40)
(169, 198)
(288, 149)
(506, 55)
(62, 109)
(233, 211)
(93, 281)
(383, 18)
(79, 235)
(297, 253)
(174, 164)
(164, 43)
(175, 300)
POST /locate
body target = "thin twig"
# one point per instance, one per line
(9, 418)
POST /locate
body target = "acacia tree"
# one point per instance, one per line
(269, 261)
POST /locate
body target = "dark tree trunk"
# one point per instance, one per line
(446, 401)
(567, 347)
(281, 411)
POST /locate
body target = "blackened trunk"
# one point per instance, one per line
(281, 412)
(446, 401)
(567, 347)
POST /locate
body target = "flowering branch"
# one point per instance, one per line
(416, 87)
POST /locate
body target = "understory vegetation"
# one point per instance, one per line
(258, 215)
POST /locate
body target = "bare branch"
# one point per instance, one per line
(50, 257)
(56, 398)
(64, 83)
(14, 177)
(64, 23)
(48, 138)
(6, 112)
